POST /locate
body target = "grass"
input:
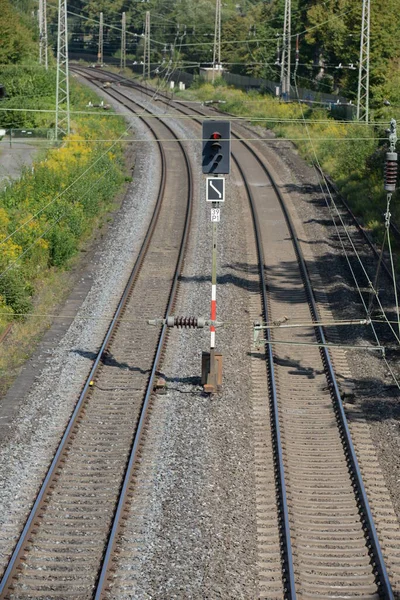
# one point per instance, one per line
(48, 216)
(50, 293)
(351, 153)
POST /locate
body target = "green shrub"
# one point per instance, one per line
(45, 215)
(16, 291)
(62, 245)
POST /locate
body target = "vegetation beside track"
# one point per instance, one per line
(351, 153)
(55, 209)
(45, 216)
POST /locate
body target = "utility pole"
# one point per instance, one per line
(146, 56)
(286, 47)
(62, 126)
(123, 42)
(217, 38)
(363, 73)
(100, 50)
(43, 56)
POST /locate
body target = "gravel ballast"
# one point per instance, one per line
(199, 506)
(33, 434)
(197, 527)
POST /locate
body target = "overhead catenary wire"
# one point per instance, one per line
(188, 25)
(227, 322)
(185, 139)
(210, 43)
(387, 225)
(299, 121)
(103, 113)
(329, 206)
(337, 212)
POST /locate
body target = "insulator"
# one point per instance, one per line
(390, 171)
(186, 322)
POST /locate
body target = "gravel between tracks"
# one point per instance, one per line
(201, 534)
(200, 539)
(35, 432)
(205, 543)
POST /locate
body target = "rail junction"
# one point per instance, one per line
(317, 534)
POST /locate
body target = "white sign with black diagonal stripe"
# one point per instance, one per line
(215, 190)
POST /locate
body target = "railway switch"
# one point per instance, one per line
(216, 147)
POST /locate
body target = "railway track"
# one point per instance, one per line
(344, 211)
(321, 543)
(77, 513)
(327, 533)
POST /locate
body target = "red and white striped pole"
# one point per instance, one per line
(213, 313)
(214, 285)
(213, 365)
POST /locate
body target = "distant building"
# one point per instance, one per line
(208, 73)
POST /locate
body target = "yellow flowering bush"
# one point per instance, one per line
(45, 214)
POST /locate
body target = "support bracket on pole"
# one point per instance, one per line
(211, 362)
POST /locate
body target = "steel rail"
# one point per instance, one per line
(290, 591)
(32, 517)
(102, 580)
(368, 526)
(289, 575)
(377, 253)
(101, 585)
(329, 183)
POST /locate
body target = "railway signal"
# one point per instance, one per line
(216, 147)
(216, 156)
(215, 161)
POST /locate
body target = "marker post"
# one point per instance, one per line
(213, 366)
(212, 361)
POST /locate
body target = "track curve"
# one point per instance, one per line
(74, 510)
(336, 500)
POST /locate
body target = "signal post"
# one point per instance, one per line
(215, 162)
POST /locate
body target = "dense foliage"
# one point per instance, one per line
(17, 36)
(47, 213)
(183, 30)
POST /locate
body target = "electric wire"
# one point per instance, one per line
(103, 113)
(114, 143)
(387, 226)
(375, 334)
(183, 139)
(305, 31)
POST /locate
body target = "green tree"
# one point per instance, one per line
(17, 44)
